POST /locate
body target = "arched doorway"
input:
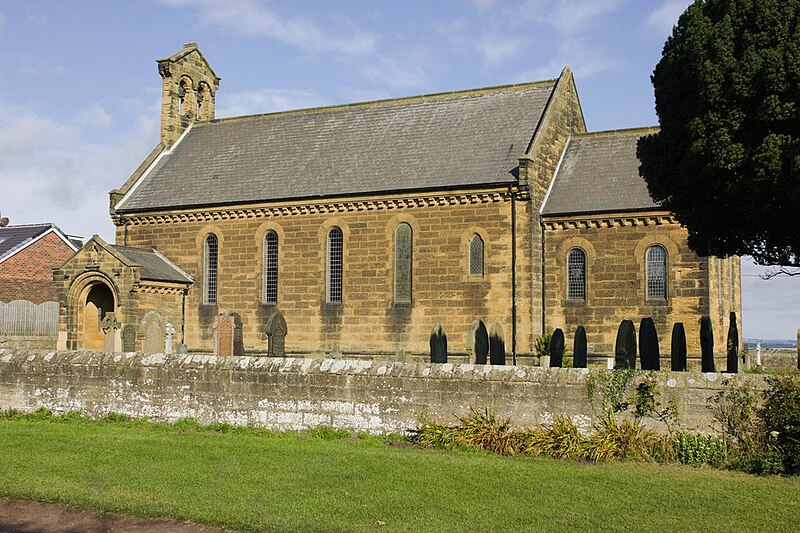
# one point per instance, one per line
(99, 301)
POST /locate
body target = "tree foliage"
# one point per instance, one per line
(726, 160)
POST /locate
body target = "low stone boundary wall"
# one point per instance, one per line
(293, 393)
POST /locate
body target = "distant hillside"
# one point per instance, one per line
(771, 343)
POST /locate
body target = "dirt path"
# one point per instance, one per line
(25, 516)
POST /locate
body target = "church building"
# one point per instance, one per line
(354, 229)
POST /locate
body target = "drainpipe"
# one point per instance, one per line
(544, 302)
(513, 275)
(183, 316)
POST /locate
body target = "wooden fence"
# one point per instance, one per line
(24, 318)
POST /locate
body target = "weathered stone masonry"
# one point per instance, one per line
(304, 393)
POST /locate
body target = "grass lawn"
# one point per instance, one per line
(303, 482)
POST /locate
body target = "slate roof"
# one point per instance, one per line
(449, 140)
(598, 173)
(13, 238)
(154, 266)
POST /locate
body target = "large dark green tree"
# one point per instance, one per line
(726, 160)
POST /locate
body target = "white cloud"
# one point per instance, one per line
(2, 22)
(497, 48)
(406, 69)
(573, 16)
(60, 171)
(483, 5)
(584, 60)
(666, 16)
(248, 17)
(266, 101)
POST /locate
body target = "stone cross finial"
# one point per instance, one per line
(170, 331)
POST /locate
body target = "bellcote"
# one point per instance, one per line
(188, 92)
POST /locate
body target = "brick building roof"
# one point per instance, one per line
(599, 172)
(458, 139)
(15, 238)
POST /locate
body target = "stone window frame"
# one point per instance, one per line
(672, 256)
(650, 275)
(322, 250)
(568, 284)
(269, 270)
(590, 255)
(466, 241)
(391, 256)
(400, 299)
(260, 241)
(187, 100)
(334, 294)
(473, 273)
(200, 243)
(210, 287)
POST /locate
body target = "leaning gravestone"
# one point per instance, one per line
(707, 345)
(579, 351)
(276, 335)
(678, 348)
(155, 331)
(477, 342)
(733, 346)
(649, 352)
(224, 334)
(625, 346)
(128, 335)
(438, 344)
(557, 349)
(497, 344)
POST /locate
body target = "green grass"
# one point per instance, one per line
(318, 481)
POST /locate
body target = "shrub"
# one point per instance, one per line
(780, 417)
(696, 449)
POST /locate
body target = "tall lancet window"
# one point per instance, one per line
(402, 264)
(210, 263)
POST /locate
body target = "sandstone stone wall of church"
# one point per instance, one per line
(368, 320)
(615, 283)
(562, 117)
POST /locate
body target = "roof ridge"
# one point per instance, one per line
(428, 97)
(617, 132)
(40, 224)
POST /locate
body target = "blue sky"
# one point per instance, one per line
(79, 88)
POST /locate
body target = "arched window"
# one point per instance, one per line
(334, 266)
(576, 274)
(269, 290)
(203, 101)
(656, 262)
(211, 252)
(402, 264)
(476, 256)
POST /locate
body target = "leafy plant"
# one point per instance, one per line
(697, 449)
(780, 417)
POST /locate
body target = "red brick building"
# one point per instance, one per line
(28, 254)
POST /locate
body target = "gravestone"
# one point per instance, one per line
(438, 344)
(678, 348)
(707, 345)
(557, 349)
(276, 335)
(224, 330)
(154, 327)
(625, 346)
(477, 342)
(170, 332)
(128, 335)
(110, 328)
(497, 344)
(579, 349)
(733, 346)
(649, 352)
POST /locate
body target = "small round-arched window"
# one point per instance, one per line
(210, 260)
(334, 266)
(270, 275)
(576, 274)
(656, 265)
